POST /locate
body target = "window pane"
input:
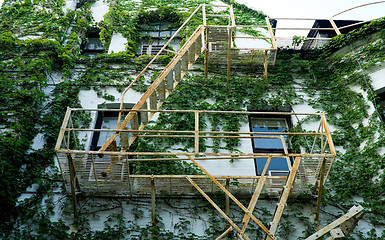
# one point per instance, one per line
(276, 164)
(268, 125)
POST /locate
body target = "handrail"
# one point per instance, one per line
(331, 20)
(362, 5)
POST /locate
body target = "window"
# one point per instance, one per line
(381, 105)
(152, 50)
(277, 166)
(109, 120)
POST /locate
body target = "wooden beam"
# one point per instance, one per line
(271, 33)
(62, 129)
(283, 199)
(230, 40)
(225, 233)
(320, 182)
(257, 192)
(215, 206)
(153, 203)
(259, 223)
(206, 61)
(196, 137)
(334, 26)
(72, 185)
(352, 213)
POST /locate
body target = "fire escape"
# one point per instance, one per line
(106, 171)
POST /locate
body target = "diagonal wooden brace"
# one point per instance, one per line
(216, 206)
(259, 223)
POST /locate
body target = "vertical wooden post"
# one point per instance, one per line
(283, 199)
(153, 202)
(206, 62)
(227, 201)
(72, 184)
(178, 71)
(271, 33)
(196, 151)
(162, 91)
(153, 101)
(230, 36)
(265, 65)
(134, 124)
(185, 62)
(170, 80)
(320, 183)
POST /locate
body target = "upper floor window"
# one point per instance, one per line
(271, 143)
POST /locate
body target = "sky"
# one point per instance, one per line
(319, 9)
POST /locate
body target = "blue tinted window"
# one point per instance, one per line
(276, 164)
(268, 125)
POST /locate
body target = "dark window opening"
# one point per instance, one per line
(92, 45)
(152, 50)
(381, 105)
(154, 35)
(272, 124)
(109, 120)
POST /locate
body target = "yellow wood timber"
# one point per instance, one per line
(283, 199)
(334, 26)
(225, 233)
(353, 212)
(196, 132)
(259, 223)
(256, 194)
(215, 206)
(63, 129)
(271, 33)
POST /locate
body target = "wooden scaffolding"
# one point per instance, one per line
(106, 171)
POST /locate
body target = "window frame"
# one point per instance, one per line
(289, 124)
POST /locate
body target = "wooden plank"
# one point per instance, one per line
(153, 101)
(206, 60)
(328, 134)
(162, 91)
(204, 14)
(283, 199)
(144, 115)
(196, 142)
(232, 16)
(62, 129)
(225, 233)
(178, 71)
(271, 33)
(72, 184)
(153, 203)
(230, 40)
(184, 62)
(334, 26)
(353, 212)
(259, 223)
(215, 206)
(256, 194)
(170, 81)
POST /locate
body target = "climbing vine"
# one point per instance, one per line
(331, 79)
